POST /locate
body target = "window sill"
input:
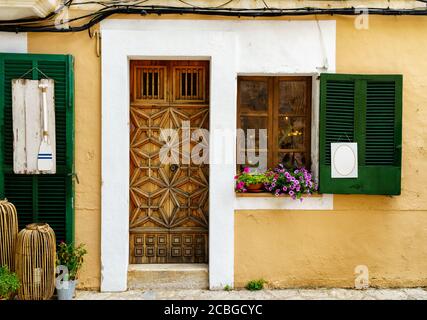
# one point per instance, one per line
(270, 195)
(268, 201)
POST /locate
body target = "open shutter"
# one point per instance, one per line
(40, 198)
(366, 109)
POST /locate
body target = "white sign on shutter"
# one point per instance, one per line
(344, 160)
(27, 114)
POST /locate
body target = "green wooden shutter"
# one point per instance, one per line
(366, 109)
(40, 198)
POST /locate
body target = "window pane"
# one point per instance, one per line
(291, 133)
(251, 126)
(292, 159)
(253, 96)
(251, 122)
(292, 97)
(257, 161)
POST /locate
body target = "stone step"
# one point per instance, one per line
(168, 276)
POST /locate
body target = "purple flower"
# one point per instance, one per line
(291, 193)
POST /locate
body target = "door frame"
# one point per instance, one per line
(115, 146)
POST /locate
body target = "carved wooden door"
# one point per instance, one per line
(168, 201)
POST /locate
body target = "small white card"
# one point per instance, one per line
(344, 160)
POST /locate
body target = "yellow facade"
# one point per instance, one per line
(387, 234)
(87, 141)
(293, 248)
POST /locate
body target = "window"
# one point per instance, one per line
(281, 106)
(366, 109)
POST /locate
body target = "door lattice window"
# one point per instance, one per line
(189, 84)
(149, 83)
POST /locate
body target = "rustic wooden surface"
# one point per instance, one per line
(27, 114)
(168, 203)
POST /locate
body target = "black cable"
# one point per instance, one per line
(106, 12)
(194, 6)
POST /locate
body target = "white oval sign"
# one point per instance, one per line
(344, 160)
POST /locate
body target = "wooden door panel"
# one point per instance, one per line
(168, 203)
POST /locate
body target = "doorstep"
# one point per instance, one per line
(168, 276)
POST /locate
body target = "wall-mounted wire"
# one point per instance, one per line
(87, 21)
(97, 35)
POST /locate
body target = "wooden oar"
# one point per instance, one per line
(44, 158)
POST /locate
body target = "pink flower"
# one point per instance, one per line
(246, 170)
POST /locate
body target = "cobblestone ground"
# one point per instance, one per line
(288, 294)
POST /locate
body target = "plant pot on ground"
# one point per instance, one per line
(9, 283)
(69, 260)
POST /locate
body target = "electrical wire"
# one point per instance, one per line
(194, 6)
(113, 7)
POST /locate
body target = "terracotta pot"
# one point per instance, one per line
(259, 187)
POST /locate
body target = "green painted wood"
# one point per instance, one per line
(40, 198)
(373, 105)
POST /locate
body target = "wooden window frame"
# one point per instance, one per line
(170, 86)
(273, 115)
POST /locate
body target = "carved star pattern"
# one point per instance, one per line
(160, 197)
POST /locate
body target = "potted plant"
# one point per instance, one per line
(296, 182)
(9, 283)
(71, 259)
(248, 181)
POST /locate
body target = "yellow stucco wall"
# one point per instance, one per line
(87, 140)
(387, 234)
(298, 248)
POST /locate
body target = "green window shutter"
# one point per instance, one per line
(40, 198)
(366, 109)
